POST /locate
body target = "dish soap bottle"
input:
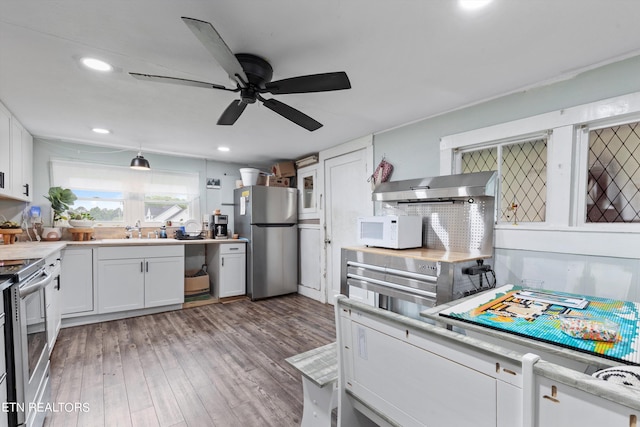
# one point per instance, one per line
(163, 232)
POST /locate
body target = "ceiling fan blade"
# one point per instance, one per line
(177, 81)
(292, 114)
(311, 83)
(232, 112)
(213, 42)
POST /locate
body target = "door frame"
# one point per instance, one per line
(366, 143)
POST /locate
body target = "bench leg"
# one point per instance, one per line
(318, 404)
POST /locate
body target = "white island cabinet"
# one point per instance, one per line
(227, 267)
(135, 277)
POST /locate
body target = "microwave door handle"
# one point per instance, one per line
(34, 287)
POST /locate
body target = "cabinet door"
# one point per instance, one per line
(120, 285)
(232, 275)
(5, 149)
(16, 158)
(562, 405)
(26, 189)
(164, 281)
(52, 299)
(308, 188)
(310, 270)
(76, 282)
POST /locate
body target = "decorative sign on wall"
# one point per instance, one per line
(213, 183)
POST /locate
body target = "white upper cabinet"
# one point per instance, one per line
(308, 188)
(5, 149)
(16, 160)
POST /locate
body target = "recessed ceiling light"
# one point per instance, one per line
(96, 64)
(223, 149)
(473, 4)
(101, 131)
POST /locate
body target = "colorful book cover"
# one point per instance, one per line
(599, 326)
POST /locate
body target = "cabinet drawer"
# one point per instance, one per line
(127, 252)
(232, 248)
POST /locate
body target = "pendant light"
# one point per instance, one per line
(140, 163)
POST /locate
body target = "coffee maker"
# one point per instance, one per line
(218, 225)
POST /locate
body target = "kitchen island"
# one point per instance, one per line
(399, 371)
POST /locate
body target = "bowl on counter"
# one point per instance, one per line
(81, 223)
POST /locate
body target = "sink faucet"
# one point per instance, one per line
(129, 230)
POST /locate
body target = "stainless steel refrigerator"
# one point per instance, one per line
(268, 217)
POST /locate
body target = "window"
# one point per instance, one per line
(118, 196)
(523, 169)
(104, 206)
(613, 177)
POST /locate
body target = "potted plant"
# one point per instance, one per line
(60, 199)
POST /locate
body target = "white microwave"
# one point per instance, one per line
(390, 231)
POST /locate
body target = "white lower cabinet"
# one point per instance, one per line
(562, 405)
(164, 281)
(310, 271)
(120, 285)
(131, 278)
(76, 282)
(53, 302)
(227, 269)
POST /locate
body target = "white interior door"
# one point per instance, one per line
(347, 196)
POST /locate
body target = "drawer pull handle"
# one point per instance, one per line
(554, 395)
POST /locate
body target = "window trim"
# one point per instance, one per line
(565, 229)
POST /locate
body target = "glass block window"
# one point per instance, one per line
(523, 170)
(613, 179)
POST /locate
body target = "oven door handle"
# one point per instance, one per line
(36, 286)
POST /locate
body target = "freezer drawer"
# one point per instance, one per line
(273, 262)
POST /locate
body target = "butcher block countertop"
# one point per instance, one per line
(424, 254)
(24, 250)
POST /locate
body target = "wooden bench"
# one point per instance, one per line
(319, 368)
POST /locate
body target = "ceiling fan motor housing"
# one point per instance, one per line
(258, 70)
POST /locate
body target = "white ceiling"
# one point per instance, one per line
(406, 59)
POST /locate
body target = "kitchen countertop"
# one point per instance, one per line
(23, 250)
(150, 242)
(425, 254)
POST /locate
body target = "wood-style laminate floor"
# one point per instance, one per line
(216, 365)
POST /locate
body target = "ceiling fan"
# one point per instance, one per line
(252, 75)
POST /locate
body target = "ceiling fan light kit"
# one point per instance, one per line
(252, 75)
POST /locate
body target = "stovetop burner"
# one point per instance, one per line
(20, 269)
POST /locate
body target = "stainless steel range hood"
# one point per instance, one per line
(438, 188)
